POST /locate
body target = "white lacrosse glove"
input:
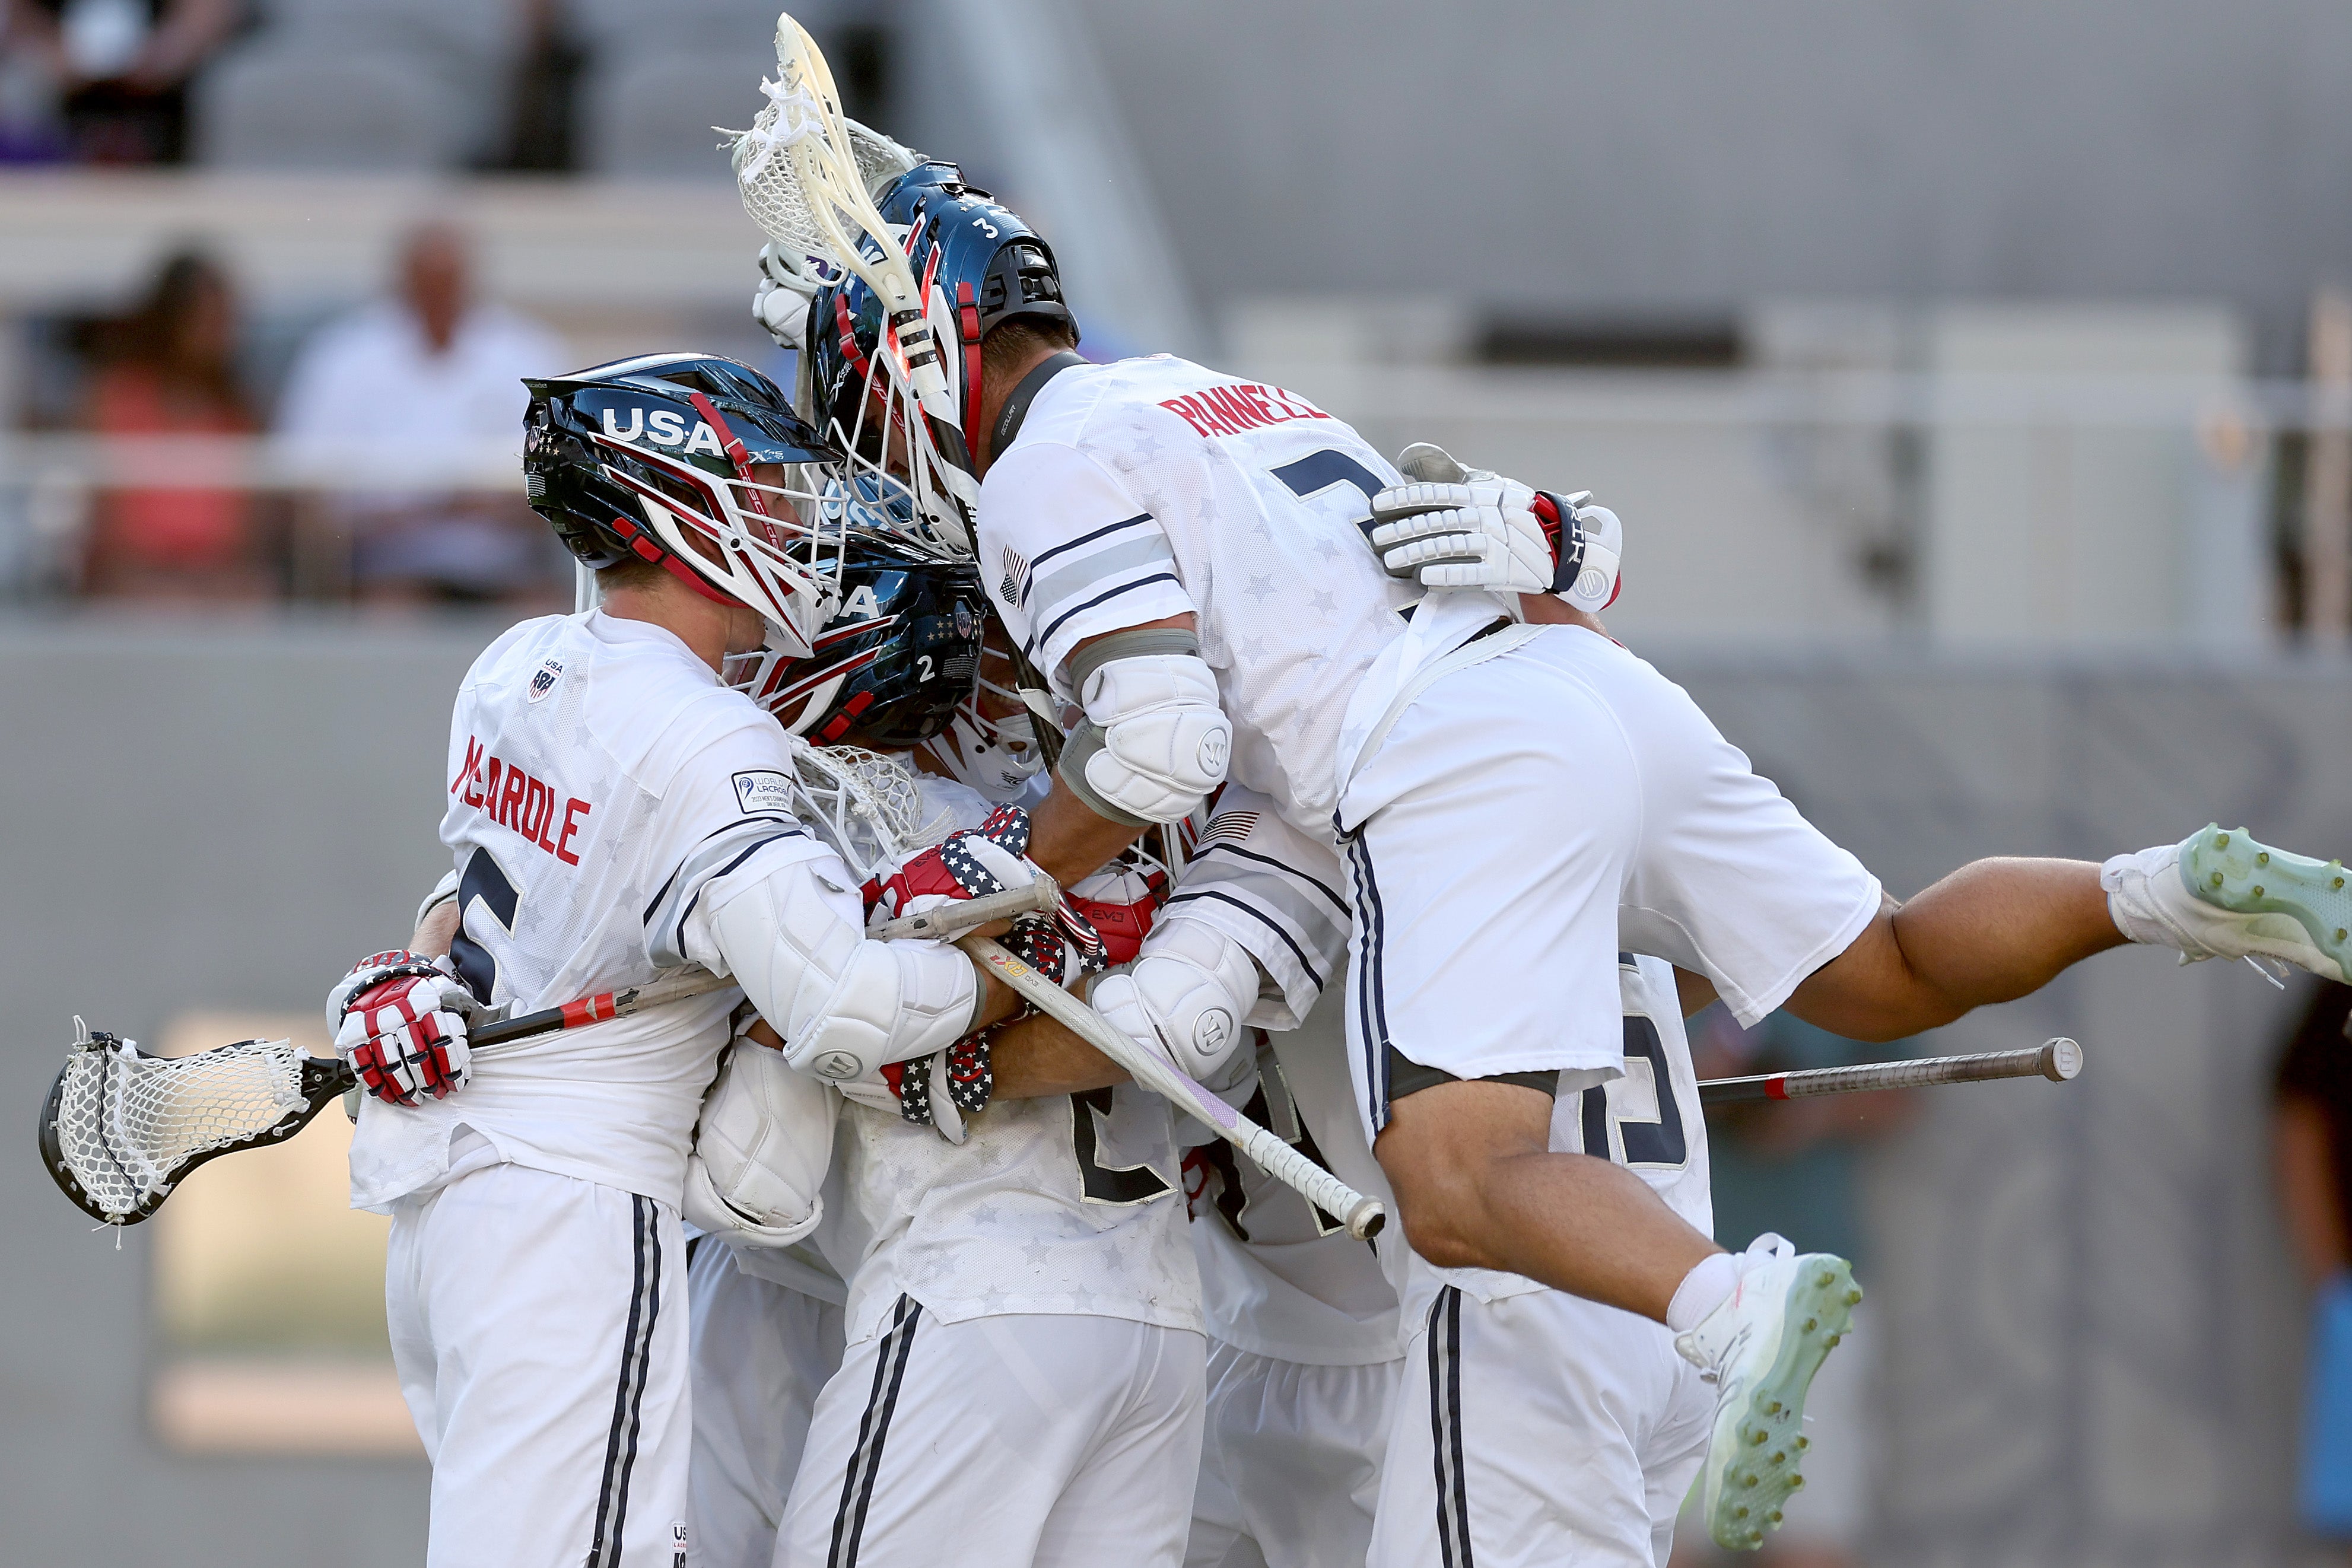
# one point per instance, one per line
(400, 1020)
(1451, 527)
(781, 304)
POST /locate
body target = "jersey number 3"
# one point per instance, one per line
(1123, 1185)
(1653, 1144)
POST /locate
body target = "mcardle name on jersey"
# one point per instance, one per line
(519, 800)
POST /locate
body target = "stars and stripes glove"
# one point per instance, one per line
(972, 863)
(400, 1020)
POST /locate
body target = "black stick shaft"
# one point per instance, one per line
(2058, 1060)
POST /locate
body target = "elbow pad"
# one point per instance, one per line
(757, 1172)
(1185, 997)
(1155, 742)
(845, 1004)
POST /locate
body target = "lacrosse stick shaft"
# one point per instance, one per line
(951, 921)
(598, 1008)
(1362, 1216)
(2058, 1060)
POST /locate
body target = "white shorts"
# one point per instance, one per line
(1530, 817)
(1001, 1442)
(761, 1354)
(1290, 1466)
(1540, 1429)
(538, 1329)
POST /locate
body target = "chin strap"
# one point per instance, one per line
(1016, 406)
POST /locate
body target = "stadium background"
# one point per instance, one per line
(1967, 374)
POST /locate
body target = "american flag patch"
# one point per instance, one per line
(1229, 828)
(1016, 568)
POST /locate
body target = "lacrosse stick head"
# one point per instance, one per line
(897, 661)
(869, 807)
(698, 464)
(911, 343)
(121, 1129)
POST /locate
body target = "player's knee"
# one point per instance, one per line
(1444, 1152)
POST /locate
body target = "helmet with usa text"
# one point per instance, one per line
(981, 265)
(698, 464)
(896, 663)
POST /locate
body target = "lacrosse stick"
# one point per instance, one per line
(798, 172)
(2060, 1061)
(871, 801)
(1363, 1216)
(122, 1128)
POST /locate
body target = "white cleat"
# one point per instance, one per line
(1761, 1348)
(2218, 893)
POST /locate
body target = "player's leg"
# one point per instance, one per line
(1130, 1499)
(1299, 1449)
(760, 1353)
(1492, 832)
(938, 1441)
(1219, 1536)
(1519, 1434)
(556, 1314)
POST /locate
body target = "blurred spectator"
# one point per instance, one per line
(2313, 1139)
(430, 375)
(1791, 1166)
(169, 368)
(122, 68)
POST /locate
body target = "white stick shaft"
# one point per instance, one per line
(953, 920)
(1362, 1216)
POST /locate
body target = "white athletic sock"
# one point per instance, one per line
(1703, 1290)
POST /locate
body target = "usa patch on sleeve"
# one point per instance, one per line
(762, 792)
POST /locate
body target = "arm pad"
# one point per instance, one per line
(845, 1004)
(761, 1151)
(1155, 742)
(1184, 996)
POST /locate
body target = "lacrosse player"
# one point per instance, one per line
(1181, 553)
(614, 810)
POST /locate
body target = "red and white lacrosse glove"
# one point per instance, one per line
(1120, 902)
(400, 1020)
(973, 864)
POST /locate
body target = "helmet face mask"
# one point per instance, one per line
(698, 464)
(979, 265)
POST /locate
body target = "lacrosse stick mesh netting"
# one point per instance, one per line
(866, 805)
(127, 1122)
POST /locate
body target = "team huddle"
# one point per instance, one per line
(1356, 815)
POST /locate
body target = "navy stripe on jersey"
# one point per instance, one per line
(1371, 998)
(714, 857)
(1263, 919)
(1043, 639)
(1444, 1348)
(1290, 873)
(628, 1396)
(873, 1432)
(1029, 569)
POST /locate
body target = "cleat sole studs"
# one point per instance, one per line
(1772, 1407)
(1853, 1298)
(2258, 890)
(2263, 858)
(1803, 1443)
(1757, 1438)
(1832, 1342)
(1824, 1281)
(1780, 1459)
(1812, 1323)
(1773, 1517)
(1740, 1513)
(2217, 879)
(1796, 1483)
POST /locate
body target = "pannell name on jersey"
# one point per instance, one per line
(1236, 406)
(521, 802)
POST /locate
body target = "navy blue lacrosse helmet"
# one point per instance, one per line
(980, 264)
(699, 464)
(899, 657)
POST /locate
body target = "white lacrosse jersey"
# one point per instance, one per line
(1064, 1204)
(600, 776)
(1154, 488)
(1278, 1275)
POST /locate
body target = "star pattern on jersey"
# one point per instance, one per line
(1253, 648)
(1036, 1252)
(1323, 604)
(1146, 447)
(1260, 589)
(1327, 550)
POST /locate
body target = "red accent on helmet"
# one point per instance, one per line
(968, 328)
(739, 456)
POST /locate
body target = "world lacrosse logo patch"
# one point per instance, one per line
(545, 679)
